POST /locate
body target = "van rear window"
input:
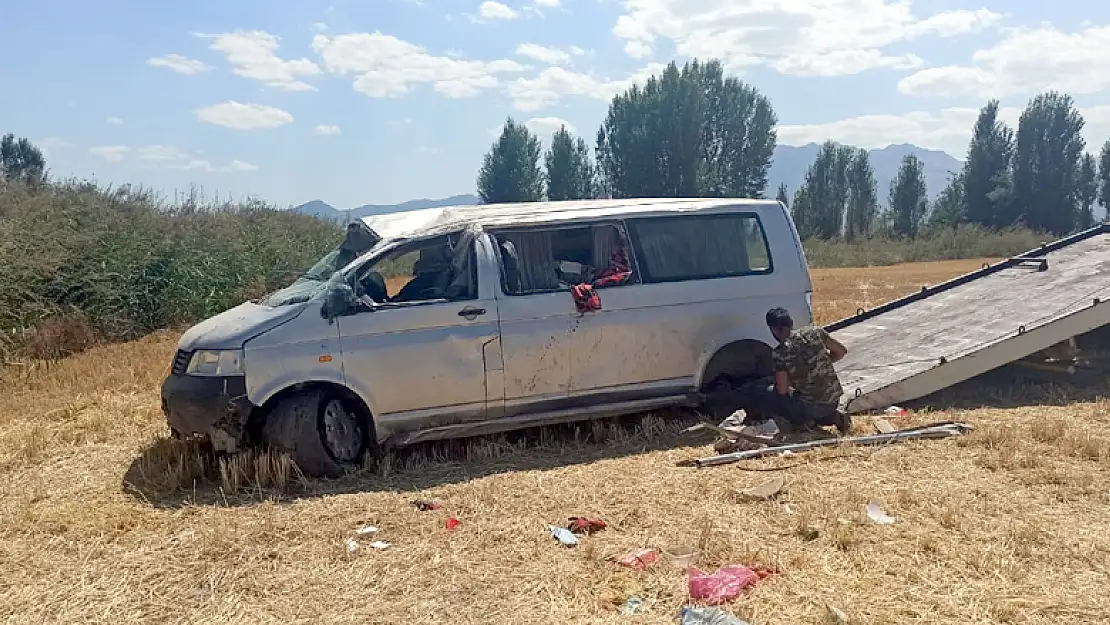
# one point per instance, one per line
(699, 247)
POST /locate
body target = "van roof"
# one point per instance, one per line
(432, 221)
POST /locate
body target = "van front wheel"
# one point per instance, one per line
(325, 435)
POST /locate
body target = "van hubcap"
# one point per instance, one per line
(342, 433)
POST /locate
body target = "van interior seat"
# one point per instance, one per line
(511, 261)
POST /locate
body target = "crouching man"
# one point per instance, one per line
(806, 389)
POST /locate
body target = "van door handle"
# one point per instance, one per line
(472, 313)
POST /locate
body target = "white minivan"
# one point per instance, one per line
(469, 320)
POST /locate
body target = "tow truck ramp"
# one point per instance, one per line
(952, 332)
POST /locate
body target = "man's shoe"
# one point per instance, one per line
(842, 422)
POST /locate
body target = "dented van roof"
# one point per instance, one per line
(432, 221)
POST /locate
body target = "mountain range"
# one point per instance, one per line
(788, 166)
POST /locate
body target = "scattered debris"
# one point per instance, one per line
(836, 615)
(380, 544)
(876, 514)
(583, 525)
(937, 430)
(452, 523)
(563, 535)
(633, 605)
(764, 491)
(722, 585)
(681, 556)
(896, 411)
(425, 505)
(883, 426)
(809, 534)
(709, 616)
(733, 435)
(362, 532)
(638, 559)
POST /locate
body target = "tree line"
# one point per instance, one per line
(696, 132)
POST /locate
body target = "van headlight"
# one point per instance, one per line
(809, 302)
(210, 363)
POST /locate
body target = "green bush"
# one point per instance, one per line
(126, 264)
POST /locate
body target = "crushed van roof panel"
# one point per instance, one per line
(431, 221)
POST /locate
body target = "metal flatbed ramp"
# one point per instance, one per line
(951, 332)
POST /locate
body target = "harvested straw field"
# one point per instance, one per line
(103, 520)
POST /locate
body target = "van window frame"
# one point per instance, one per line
(616, 222)
(644, 274)
(405, 246)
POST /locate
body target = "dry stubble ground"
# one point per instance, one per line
(1006, 525)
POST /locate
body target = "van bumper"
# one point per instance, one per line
(212, 408)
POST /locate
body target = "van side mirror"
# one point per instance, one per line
(340, 301)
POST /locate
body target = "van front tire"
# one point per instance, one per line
(324, 434)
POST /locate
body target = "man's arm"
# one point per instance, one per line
(836, 349)
(780, 363)
(782, 382)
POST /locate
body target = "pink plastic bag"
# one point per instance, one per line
(724, 585)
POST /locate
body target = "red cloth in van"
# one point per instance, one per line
(586, 298)
(585, 295)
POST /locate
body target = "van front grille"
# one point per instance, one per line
(180, 362)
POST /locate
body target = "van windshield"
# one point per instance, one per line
(311, 282)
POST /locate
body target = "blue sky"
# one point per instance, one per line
(377, 101)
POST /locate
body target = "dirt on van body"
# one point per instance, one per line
(104, 520)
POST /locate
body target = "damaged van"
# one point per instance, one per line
(464, 321)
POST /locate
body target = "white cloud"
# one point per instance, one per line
(385, 66)
(164, 156)
(52, 146)
(546, 126)
(1026, 61)
(547, 4)
(832, 38)
(637, 49)
(179, 64)
(160, 153)
(237, 165)
(202, 165)
(844, 62)
(195, 164)
(544, 54)
(114, 121)
(426, 149)
(110, 153)
(550, 85)
(239, 116)
(327, 129)
(948, 130)
(253, 54)
(496, 11)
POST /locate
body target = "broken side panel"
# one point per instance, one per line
(932, 340)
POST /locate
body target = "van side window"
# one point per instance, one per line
(539, 261)
(699, 247)
(442, 268)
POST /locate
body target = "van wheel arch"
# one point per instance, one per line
(730, 367)
(292, 421)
